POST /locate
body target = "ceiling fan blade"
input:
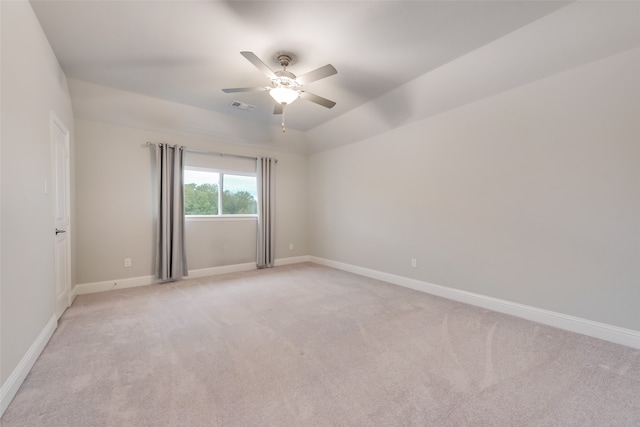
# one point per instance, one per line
(317, 74)
(244, 89)
(251, 57)
(277, 109)
(317, 99)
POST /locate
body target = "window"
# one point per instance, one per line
(211, 192)
(239, 194)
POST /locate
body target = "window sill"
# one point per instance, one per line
(190, 218)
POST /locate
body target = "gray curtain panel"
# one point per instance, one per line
(266, 208)
(171, 258)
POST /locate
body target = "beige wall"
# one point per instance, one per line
(530, 196)
(33, 85)
(114, 193)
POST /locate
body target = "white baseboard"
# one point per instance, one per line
(132, 282)
(224, 269)
(108, 285)
(627, 337)
(15, 380)
(292, 260)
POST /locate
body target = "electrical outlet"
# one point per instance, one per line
(290, 246)
(127, 262)
(414, 263)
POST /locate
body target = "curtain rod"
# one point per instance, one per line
(209, 153)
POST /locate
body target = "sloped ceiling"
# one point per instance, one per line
(397, 61)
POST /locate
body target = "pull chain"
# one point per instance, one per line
(283, 105)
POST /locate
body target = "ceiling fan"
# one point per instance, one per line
(286, 87)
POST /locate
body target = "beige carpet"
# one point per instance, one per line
(306, 345)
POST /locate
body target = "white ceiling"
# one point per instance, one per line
(187, 51)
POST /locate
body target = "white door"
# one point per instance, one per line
(60, 187)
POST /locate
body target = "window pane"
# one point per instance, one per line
(200, 192)
(239, 195)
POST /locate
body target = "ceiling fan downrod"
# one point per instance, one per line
(284, 60)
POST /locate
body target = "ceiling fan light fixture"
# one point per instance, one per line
(284, 95)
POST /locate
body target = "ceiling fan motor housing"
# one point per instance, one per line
(285, 79)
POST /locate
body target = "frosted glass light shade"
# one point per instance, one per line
(284, 95)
